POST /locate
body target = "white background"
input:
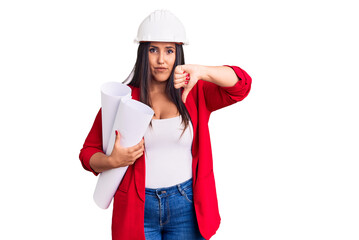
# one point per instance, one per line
(286, 158)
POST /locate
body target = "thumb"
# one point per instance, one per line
(118, 137)
(184, 95)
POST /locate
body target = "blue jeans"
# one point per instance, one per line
(169, 213)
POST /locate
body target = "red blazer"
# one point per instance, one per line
(129, 200)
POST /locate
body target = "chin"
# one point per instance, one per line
(161, 78)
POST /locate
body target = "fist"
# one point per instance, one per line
(186, 76)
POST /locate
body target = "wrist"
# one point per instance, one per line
(203, 72)
(110, 161)
(222, 76)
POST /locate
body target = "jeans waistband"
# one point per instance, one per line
(169, 190)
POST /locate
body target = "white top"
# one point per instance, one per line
(168, 155)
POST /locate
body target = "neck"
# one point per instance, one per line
(158, 87)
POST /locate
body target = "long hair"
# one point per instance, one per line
(142, 78)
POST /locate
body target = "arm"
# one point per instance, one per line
(93, 158)
(222, 86)
(93, 144)
(120, 156)
(222, 76)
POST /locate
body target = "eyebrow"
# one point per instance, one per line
(165, 47)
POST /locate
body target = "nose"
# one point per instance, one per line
(160, 58)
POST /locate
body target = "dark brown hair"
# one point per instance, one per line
(142, 78)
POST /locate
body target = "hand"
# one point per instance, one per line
(186, 76)
(121, 157)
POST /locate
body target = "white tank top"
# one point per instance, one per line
(168, 155)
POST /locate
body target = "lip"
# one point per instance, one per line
(160, 69)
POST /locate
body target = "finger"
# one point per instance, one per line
(137, 147)
(118, 136)
(180, 85)
(134, 149)
(180, 79)
(136, 154)
(139, 155)
(140, 143)
(139, 152)
(183, 78)
(179, 69)
(180, 75)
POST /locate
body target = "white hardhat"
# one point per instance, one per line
(161, 26)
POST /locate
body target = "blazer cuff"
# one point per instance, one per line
(243, 85)
(86, 155)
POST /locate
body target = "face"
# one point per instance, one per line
(161, 56)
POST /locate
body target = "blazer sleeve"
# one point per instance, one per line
(217, 97)
(93, 143)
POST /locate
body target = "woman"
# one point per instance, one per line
(168, 190)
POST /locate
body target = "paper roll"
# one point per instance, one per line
(111, 94)
(131, 120)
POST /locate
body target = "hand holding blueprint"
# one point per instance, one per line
(131, 118)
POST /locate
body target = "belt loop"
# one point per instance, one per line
(157, 194)
(180, 189)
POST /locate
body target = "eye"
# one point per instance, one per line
(153, 50)
(170, 51)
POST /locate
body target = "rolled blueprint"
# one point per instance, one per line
(131, 120)
(111, 94)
